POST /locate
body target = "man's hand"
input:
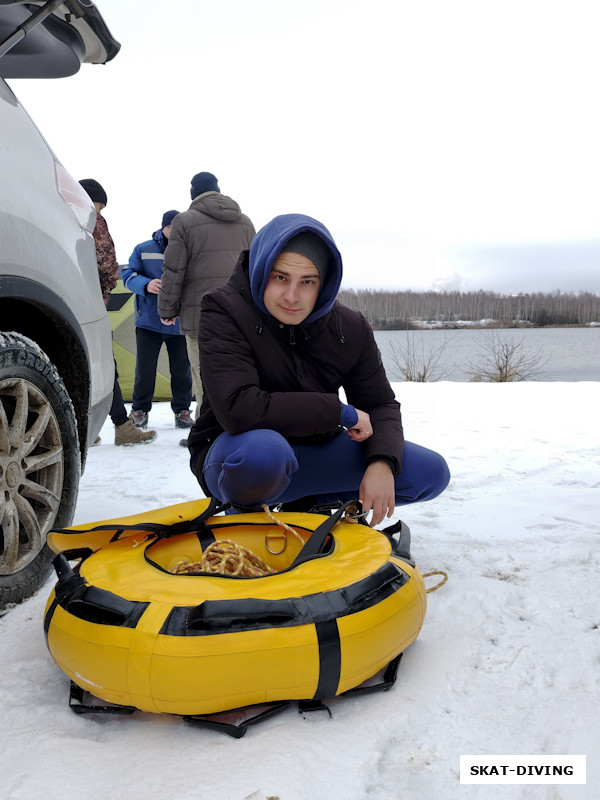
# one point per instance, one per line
(153, 286)
(168, 321)
(363, 428)
(377, 493)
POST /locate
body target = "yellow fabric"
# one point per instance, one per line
(208, 673)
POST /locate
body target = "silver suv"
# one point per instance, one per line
(56, 364)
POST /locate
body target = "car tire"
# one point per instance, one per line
(40, 464)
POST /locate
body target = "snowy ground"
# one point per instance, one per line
(508, 661)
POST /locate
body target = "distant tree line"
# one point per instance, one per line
(403, 310)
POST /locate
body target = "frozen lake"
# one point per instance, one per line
(573, 354)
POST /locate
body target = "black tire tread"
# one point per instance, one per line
(21, 585)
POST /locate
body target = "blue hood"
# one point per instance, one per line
(267, 245)
(160, 240)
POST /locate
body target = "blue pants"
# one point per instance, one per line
(262, 467)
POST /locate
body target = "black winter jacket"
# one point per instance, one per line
(264, 374)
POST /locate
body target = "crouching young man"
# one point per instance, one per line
(275, 349)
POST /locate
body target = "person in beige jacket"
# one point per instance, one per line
(204, 246)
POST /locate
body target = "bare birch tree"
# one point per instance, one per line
(413, 361)
(501, 358)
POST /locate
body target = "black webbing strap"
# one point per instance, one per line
(160, 529)
(387, 680)
(314, 546)
(82, 702)
(216, 722)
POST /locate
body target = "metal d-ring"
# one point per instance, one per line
(279, 552)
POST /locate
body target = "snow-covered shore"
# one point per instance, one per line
(507, 661)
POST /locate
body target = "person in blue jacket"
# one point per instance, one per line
(143, 277)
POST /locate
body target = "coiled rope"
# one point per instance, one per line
(227, 557)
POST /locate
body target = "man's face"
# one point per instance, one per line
(166, 231)
(293, 288)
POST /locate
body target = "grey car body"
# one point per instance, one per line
(56, 363)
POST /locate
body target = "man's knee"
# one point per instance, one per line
(250, 468)
(439, 474)
(424, 475)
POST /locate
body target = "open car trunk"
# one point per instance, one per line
(52, 38)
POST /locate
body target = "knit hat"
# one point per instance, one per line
(94, 190)
(168, 218)
(266, 247)
(204, 182)
(311, 246)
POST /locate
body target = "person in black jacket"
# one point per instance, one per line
(275, 349)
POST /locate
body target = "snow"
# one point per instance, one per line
(508, 660)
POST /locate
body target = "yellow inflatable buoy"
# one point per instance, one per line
(143, 622)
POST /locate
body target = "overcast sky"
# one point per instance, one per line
(444, 144)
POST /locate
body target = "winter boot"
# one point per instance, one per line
(140, 418)
(127, 433)
(184, 420)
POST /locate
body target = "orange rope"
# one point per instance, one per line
(281, 524)
(227, 558)
(441, 583)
